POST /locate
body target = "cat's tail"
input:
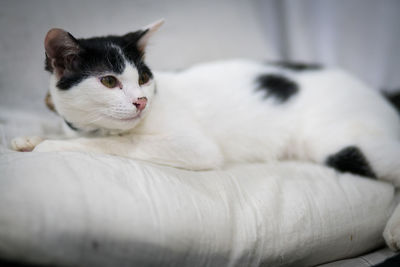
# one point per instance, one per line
(393, 97)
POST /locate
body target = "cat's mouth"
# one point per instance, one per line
(131, 118)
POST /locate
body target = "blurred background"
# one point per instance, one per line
(361, 36)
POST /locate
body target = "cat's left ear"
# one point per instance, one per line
(148, 31)
(141, 37)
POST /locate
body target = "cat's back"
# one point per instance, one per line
(277, 85)
(277, 82)
(250, 90)
(248, 104)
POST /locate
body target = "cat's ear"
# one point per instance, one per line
(61, 50)
(141, 38)
(148, 31)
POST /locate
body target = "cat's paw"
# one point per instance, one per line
(392, 231)
(25, 143)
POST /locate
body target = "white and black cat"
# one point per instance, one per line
(215, 113)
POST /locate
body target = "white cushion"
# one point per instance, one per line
(97, 210)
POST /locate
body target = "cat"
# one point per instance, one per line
(216, 113)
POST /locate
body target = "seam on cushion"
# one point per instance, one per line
(366, 260)
(339, 179)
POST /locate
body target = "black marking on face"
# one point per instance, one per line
(143, 69)
(96, 56)
(278, 86)
(297, 66)
(100, 55)
(351, 159)
(135, 54)
(69, 80)
(129, 44)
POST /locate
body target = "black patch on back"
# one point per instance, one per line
(297, 66)
(100, 55)
(278, 86)
(351, 159)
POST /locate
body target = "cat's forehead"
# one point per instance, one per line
(103, 55)
(112, 44)
(100, 43)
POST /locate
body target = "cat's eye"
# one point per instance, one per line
(144, 78)
(109, 81)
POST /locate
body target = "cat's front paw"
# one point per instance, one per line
(25, 143)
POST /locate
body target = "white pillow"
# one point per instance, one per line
(78, 209)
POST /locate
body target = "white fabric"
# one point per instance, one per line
(78, 209)
(83, 209)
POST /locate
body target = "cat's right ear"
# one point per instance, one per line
(61, 51)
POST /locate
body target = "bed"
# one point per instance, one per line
(87, 209)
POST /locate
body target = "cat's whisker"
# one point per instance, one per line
(94, 119)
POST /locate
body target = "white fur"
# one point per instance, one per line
(211, 114)
(91, 105)
(25, 143)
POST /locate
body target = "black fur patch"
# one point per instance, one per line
(70, 125)
(297, 66)
(96, 56)
(277, 86)
(394, 99)
(47, 64)
(102, 55)
(69, 80)
(351, 159)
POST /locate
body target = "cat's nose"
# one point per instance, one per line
(140, 103)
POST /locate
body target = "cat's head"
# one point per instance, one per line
(100, 82)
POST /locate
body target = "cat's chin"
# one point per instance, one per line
(107, 125)
(121, 124)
